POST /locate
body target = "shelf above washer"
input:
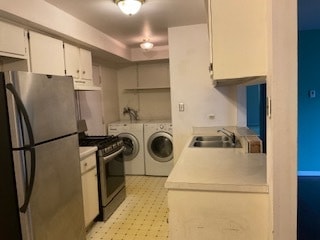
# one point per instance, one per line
(153, 89)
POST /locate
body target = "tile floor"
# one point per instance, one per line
(143, 214)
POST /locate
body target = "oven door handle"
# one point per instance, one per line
(111, 156)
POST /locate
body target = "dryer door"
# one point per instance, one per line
(160, 146)
(131, 145)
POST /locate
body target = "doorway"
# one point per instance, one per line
(308, 211)
(256, 111)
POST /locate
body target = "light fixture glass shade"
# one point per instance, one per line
(129, 7)
(146, 45)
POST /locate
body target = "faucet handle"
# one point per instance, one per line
(229, 134)
(228, 131)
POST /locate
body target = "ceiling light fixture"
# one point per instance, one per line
(129, 7)
(146, 45)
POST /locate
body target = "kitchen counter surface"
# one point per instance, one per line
(86, 151)
(219, 169)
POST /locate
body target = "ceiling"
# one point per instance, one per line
(156, 16)
(152, 22)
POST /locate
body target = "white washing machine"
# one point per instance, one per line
(158, 147)
(132, 135)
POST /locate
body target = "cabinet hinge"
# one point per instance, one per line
(211, 70)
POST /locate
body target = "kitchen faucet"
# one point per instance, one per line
(133, 114)
(229, 134)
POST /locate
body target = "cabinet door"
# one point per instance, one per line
(86, 64)
(89, 188)
(90, 195)
(72, 60)
(46, 54)
(12, 40)
(238, 38)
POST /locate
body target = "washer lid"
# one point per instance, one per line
(160, 146)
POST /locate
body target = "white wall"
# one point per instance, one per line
(152, 101)
(109, 86)
(191, 85)
(99, 108)
(7, 64)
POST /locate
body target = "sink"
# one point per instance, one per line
(213, 142)
(211, 138)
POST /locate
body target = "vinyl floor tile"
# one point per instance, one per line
(142, 216)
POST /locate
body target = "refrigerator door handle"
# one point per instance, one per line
(30, 147)
(29, 186)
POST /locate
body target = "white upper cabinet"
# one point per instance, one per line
(46, 54)
(78, 63)
(13, 41)
(238, 39)
(86, 64)
(72, 60)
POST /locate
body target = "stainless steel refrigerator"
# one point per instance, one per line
(40, 180)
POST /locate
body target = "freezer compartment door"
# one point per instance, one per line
(49, 102)
(55, 209)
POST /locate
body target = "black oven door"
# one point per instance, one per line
(112, 177)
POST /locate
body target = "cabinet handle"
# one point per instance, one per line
(83, 72)
(78, 71)
(86, 164)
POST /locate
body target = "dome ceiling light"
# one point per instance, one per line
(129, 7)
(146, 45)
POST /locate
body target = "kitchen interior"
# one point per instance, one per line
(210, 144)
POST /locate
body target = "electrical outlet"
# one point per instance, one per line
(312, 93)
(181, 107)
(211, 116)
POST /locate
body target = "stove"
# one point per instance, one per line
(110, 166)
(105, 144)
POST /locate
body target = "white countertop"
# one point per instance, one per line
(86, 151)
(219, 169)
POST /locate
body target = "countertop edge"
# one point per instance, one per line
(86, 151)
(218, 187)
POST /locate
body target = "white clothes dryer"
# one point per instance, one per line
(132, 135)
(158, 146)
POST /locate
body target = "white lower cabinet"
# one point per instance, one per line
(89, 188)
(207, 215)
